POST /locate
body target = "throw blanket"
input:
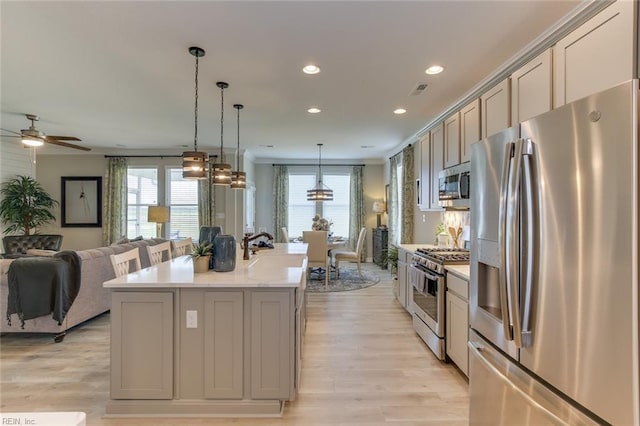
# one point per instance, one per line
(41, 285)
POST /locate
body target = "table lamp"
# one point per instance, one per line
(378, 208)
(159, 215)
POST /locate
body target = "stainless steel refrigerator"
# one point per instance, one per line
(554, 267)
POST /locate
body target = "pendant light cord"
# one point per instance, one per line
(221, 123)
(320, 164)
(238, 150)
(195, 137)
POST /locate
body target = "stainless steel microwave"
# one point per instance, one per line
(454, 185)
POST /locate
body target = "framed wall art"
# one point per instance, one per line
(81, 201)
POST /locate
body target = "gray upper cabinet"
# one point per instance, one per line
(436, 163)
(452, 140)
(469, 128)
(597, 55)
(495, 109)
(531, 89)
(424, 191)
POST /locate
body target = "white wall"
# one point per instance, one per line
(14, 160)
(50, 168)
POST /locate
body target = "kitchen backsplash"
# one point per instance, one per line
(456, 219)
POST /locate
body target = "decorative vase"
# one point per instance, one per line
(201, 264)
(224, 253)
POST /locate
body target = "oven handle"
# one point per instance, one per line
(425, 273)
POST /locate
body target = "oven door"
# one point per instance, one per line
(428, 292)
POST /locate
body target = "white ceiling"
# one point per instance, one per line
(118, 75)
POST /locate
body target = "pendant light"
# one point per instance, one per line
(238, 178)
(195, 163)
(320, 192)
(221, 171)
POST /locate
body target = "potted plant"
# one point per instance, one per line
(390, 258)
(201, 254)
(25, 205)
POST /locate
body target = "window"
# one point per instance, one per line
(142, 192)
(301, 211)
(182, 198)
(399, 203)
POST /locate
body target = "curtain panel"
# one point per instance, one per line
(206, 202)
(115, 201)
(356, 213)
(280, 200)
(408, 194)
(394, 207)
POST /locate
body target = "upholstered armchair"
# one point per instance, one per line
(16, 245)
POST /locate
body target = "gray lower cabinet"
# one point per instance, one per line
(142, 345)
(223, 346)
(271, 349)
(457, 322)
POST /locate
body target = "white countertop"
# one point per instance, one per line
(282, 266)
(460, 270)
(413, 247)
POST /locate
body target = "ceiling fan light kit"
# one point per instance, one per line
(221, 171)
(320, 192)
(195, 163)
(33, 137)
(238, 178)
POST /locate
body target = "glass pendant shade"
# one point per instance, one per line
(320, 192)
(195, 164)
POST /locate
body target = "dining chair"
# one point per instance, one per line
(317, 252)
(156, 253)
(349, 255)
(285, 235)
(182, 247)
(122, 262)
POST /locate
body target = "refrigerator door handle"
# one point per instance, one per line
(531, 226)
(502, 236)
(512, 242)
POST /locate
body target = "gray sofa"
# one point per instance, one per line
(92, 298)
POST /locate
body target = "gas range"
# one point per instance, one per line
(434, 259)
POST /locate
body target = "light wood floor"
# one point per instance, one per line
(362, 365)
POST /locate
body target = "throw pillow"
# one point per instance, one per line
(138, 238)
(122, 240)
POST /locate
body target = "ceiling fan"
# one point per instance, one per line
(34, 137)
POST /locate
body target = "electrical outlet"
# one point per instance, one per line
(192, 319)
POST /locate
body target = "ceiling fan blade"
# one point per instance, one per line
(11, 131)
(63, 138)
(65, 144)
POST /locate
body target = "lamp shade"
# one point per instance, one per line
(158, 214)
(378, 207)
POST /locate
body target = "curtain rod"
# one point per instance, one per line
(314, 165)
(399, 152)
(151, 156)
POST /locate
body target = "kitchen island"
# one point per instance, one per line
(208, 344)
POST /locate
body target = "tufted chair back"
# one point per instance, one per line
(19, 244)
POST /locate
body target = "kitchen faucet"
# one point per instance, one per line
(247, 238)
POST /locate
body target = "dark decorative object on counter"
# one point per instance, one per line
(207, 235)
(224, 253)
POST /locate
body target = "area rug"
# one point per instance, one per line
(349, 280)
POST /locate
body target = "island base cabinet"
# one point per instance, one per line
(142, 345)
(270, 336)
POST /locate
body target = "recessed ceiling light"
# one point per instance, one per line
(311, 69)
(314, 110)
(399, 111)
(434, 69)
